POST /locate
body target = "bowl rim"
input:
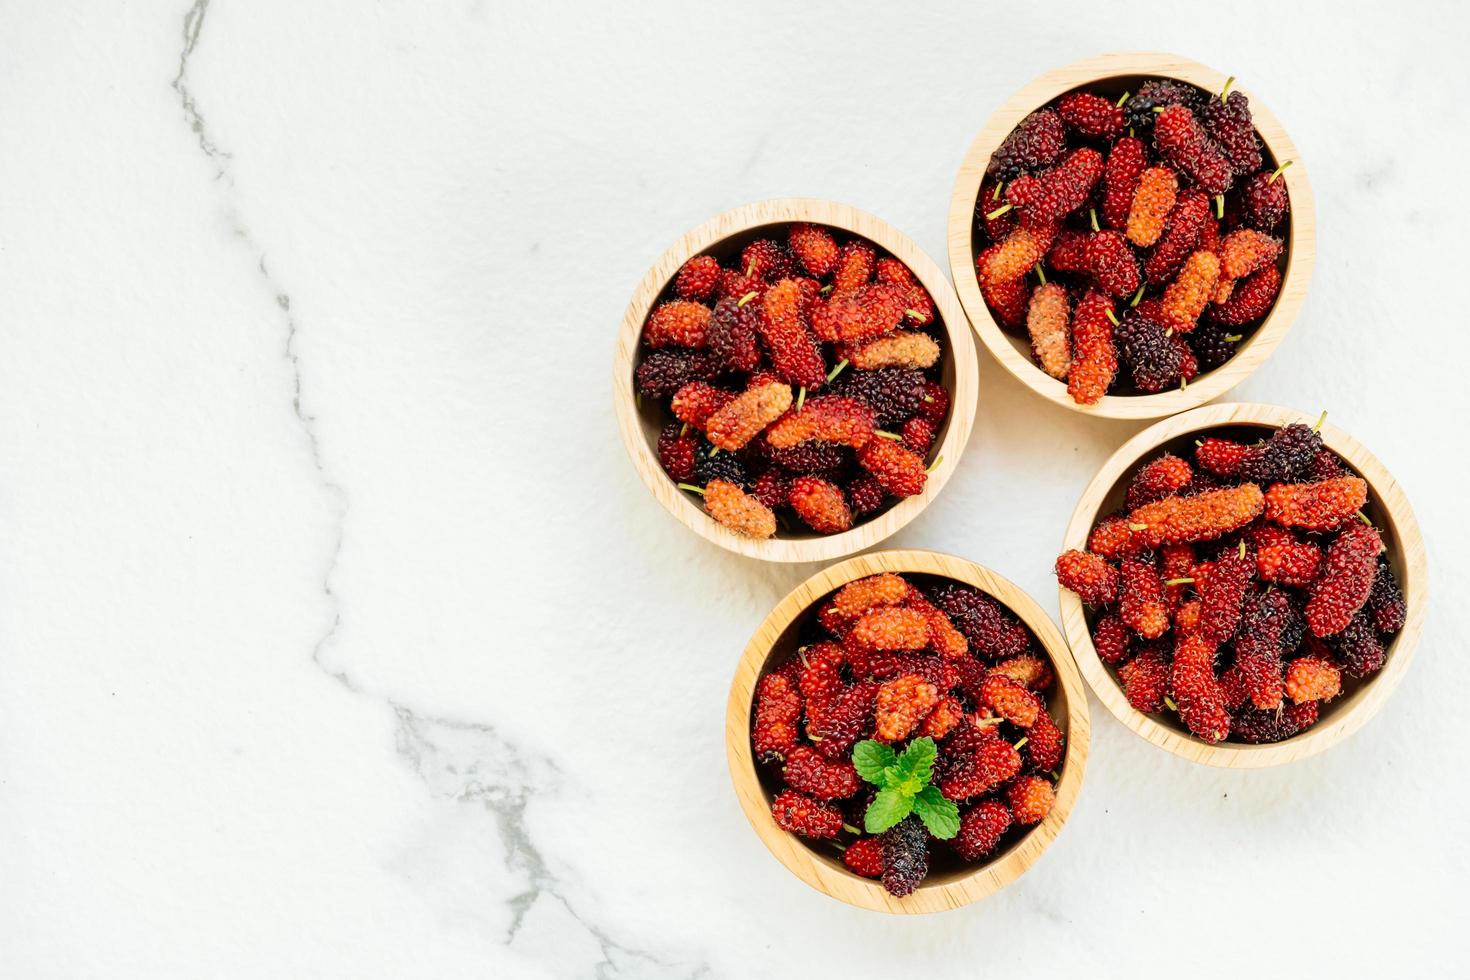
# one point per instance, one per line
(852, 221)
(833, 880)
(1250, 355)
(1391, 501)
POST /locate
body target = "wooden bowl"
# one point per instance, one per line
(1387, 507)
(1115, 74)
(777, 639)
(725, 235)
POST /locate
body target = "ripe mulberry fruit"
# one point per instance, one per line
(804, 816)
(1221, 456)
(905, 856)
(737, 510)
(1251, 299)
(1152, 202)
(1347, 576)
(1091, 115)
(828, 418)
(1045, 198)
(893, 394)
(1112, 539)
(1386, 600)
(1183, 142)
(854, 268)
(1014, 257)
(733, 334)
(1197, 691)
(697, 401)
(865, 494)
(1010, 700)
(947, 714)
(1031, 799)
(820, 504)
(777, 709)
(794, 353)
(677, 323)
(1037, 142)
(766, 259)
(1047, 321)
(902, 349)
(867, 594)
(807, 772)
(676, 452)
(993, 633)
(1245, 250)
(944, 639)
(1213, 344)
(1088, 575)
(981, 828)
(1283, 559)
(899, 471)
(902, 704)
(1157, 479)
(1228, 121)
(1145, 681)
(1141, 599)
(1264, 200)
(1312, 679)
(813, 247)
(1126, 162)
(918, 435)
(1186, 297)
(1031, 673)
(865, 857)
(1111, 639)
(1258, 648)
(935, 403)
(973, 773)
(824, 458)
(1112, 264)
(1138, 111)
(891, 628)
(1094, 356)
(664, 372)
(1150, 354)
(771, 488)
(744, 416)
(1286, 456)
(1069, 252)
(866, 313)
(837, 727)
(1222, 595)
(1180, 238)
(1199, 518)
(1044, 744)
(1321, 506)
(918, 304)
(698, 278)
(819, 675)
(989, 204)
(1358, 647)
(1254, 726)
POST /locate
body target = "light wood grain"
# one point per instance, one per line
(776, 640)
(1387, 507)
(1124, 71)
(725, 235)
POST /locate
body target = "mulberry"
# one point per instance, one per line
(1312, 679)
(698, 278)
(1358, 647)
(677, 323)
(1181, 236)
(1181, 140)
(664, 372)
(1258, 648)
(1112, 264)
(1145, 681)
(807, 772)
(899, 471)
(1014, 257)
(733, 334)
(1111, 639)
(836, 728)
(866, 594)
(724, 466)
(891, 628)
(1047, 323)
(777, 709)
(1321, 506)
(935, 404)
(1264, 200)
(893, 394)
(918, 304)
(1348, 570)
(902, 704)
(1199, 518)
(1197, 691)
(1030, 672)
(1045, 198)
(794, 353)
(799, 814)
(981, 828)
(697, 401)
(1036, 142)
(1010, 700)
(1213, 345)
(1283, 559)
(864, 314)
(813, 247)
(1031, 799)
(676, 452)
(1094, 356)
(993, 633)
(865, 494)
(738, 511)
(1152, 202)
(901, 349)
(1044, 744)
(905, 856)
(1246, 250)
(1091, 115)
(1157, 479)
(828, 418)
(865, 857)
(742, 418)
(1251, 299)
(1141, 599)
(1126, 162)
(1228, 121)
(1151, 356)
(1186, 297)
(855, 262)
(1286, 456)
(1093, 580)
(1254, 726)
(820, 505)
(1386, 600)
(1222, 595)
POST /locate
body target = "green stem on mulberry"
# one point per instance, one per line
(837, 370)
(991, 216)
(934, 465)
(638, 400)
(888, 435)
(1277, 172)
(1137, 296)
(691, 487)
(1040, 273)
(1112, 317)
(746, 298)
(1178, 581)
(1320, 419)
(851, 830)
(714, 451)
(1023, 741)
(1092, 212)
(826, 289)
(1242, 549)
(1234, 338)
(683, 429)
(800, 397)
(1123, 98)
(1363, 517)
(1160, 108)
(1169, 703)
(918, 317)
(1219, 205)
(1226, 90)
(998, 188)
(1183, 383)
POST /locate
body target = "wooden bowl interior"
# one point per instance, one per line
(652, 416)
(1183, 446)
(1113, 87)
(945, 866)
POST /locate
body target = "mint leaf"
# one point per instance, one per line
(918, 759)
(888, 808)
(871, 758)
(940, 815)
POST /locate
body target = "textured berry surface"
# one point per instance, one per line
(862, 314)
(827, 418)
(1286, 455)
(992, 631)
(1088, 575)
(1251, 299)
(1199, 518)
(891, 628)
(777, 709)
(1348, 570)
(795, 356)
(1312, 679)
(1264, 200)
(799, 814)
(1010, 700)
(1180, 237)
(905, 856)
(1187, 296)
(1112, 639)
(737, 510)
(733, 334)
(1036, 142)
(865, 857)
(1246, 250)
(1112, 264)
(1320, 506)
(666, 371)
(1094, 355)
(698, 278)
(1255, 726)
(813, 247)
(742, 418)
(981, 828)
(820, 504)
(1222, 595)
(1045, 198)
(899, 471)
(697, 401)
(1013, 258)
(1125, 165)
(1283, 558)
(1152, 358)
(1044, 744)
(848, 718)
(893, 394)
(1181, 140)
(865, 594)
(1197, 691)
(1357, 648)
(809, 773)
(1228, 121)
(865, 494)
(1048, 322)
(678, 323)
(676, 452)
(1145, 681)
(1152, 202)
(1091, 115)
(1141, 603)
(1031, 799)
(902, 349)
(902, 704)
(1157, 479)
(1258, 649)
(854, 268)
(917, 303)
(1386, 600)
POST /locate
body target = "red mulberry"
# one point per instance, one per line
(1141, 599)
(1180, 238)
(1044, 744)
(1094, 356)
(1358, 647)
(918, 304)
(1246, 250)
(1181, 140)
(1010, 700)
(1197, 691)
(1111, 639)
(862, 314)
(794, 353)
(809, 773)
(733, 334)
(1126, 161)
(1036, 142)
(1258, 648)
(1264, 200)
(813, 247)
(1145, 681)
(865, 857)
(1088, 575)
(836, 728)
(1014, 257)
(1254, 726)
(829, 418)
(777, 709)
(698, 278)
(901, 349)
(1199, 518)
(677, 323)
(1347, 576)
(1228, 121)
(1112, 264)
(899, 471)
(1157, 479)
(1091, 115)
(820, 505)
(992, 631)
(676, 452)
(854, 269)
(1045, 198)
(981, 828)
(804, 816)
(664, 372)
(1221, 598)
(1251, 299)
(1321, 506)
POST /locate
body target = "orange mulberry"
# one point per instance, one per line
(820, 504)
(901, 348)
(891, 628)
(1088, 575)
(944, 718)
(918, 304)
(1014, 257)
(1031, 799)
(1010, 700)
(828, 418)
(856, 598)
(854, 268)
(697, 401)
(743, 417)
(813, 247)
(795, 356)
(677, 323)
(1321, 506)
(902, 704)
(1094, 356)
(737, 510)
(1245, 250)
(1047, 321)
(1187, 296)
(861, 314)
(1152, 201)
(899, 471)
(1202, 517)
(1312, 679)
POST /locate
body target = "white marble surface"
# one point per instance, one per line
(337, 636)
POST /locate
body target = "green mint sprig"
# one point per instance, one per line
(904, 787)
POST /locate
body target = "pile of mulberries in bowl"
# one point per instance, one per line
(1133, 238)
(910, 734)
(1242, 593)
(801, 381)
